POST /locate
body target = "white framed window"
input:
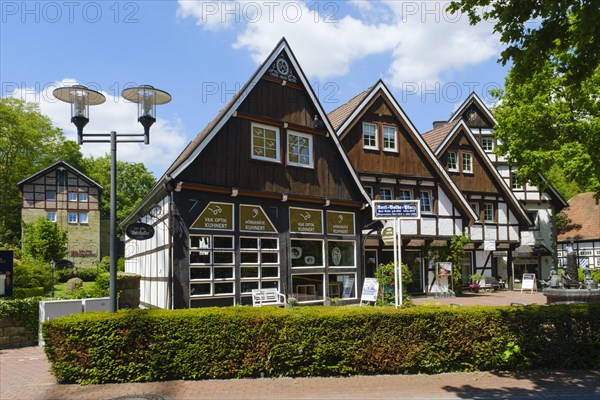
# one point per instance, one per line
(487, 143)
(452, 161)
(467, 162)
(72, 196)
(488, 212)
(259, 263)
(300, 149)
(50, 195)
(370, 136)
(338, 282)
(426, 202)
(370, 192)
(51, 215)
(83, 218)
(72, 217)
(341, 253)
(517, 182)
(307, 253)
(308, 287)
(83, 197)
(389, 138)
(585, 252)
(265, 143)
(386, 194)
(405, 194)
(212, 271)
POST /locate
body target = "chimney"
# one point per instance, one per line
(437, 124)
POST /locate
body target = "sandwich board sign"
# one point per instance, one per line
(528, 282)
(369, 291)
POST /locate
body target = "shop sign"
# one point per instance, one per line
(254, 219)
(6, 273)
(387, 235)
(137, 231)
(340, 223)
(406, 209)
(216, 216)
(303, 220)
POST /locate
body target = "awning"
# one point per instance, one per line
(527, 250)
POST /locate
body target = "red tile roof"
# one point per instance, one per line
(584, 215)
(338, 116)
(436, 136)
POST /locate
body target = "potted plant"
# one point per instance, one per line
(475, 279)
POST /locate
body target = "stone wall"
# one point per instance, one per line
(12, 335)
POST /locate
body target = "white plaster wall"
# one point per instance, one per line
(502, 213)
(446, 227)
(502, 233)
(444, 203)
(490, 232)
(428, 226)
(476, 232)
(408, 227)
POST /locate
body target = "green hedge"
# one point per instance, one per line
(24, 293)
(23, 311)
(154, 345)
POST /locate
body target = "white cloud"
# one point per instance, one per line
(166, 137)
(422, 39)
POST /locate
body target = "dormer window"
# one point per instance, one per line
(265, 143)
(389, 138)
(370, 136)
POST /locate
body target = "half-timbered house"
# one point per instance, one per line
(537, 250)
(394, 163)
(66, 196)
(500, 216)
(263, 197)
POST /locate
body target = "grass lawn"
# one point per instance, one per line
(60, 289)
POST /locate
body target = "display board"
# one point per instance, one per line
(528, 282)
(369, 291)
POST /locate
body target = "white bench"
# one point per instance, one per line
(267, 297)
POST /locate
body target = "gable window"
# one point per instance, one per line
(488, 212)
(452, 161)
(83, 197)
(370, 136)
(62, 177)
(265, 143)
(83, 218)
(51, 215)
(389, 138)
(517, 182)
(386, 194)
(369, 190)
(426, 206)
(467, 162)
(72, 196)
(405, 194)
(72, 218)
(488, 144)
(51, 195)
(300, 149)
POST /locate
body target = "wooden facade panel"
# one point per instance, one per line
(227, 162)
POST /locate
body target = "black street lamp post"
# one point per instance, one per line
(80, 97)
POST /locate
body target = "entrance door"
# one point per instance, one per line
(415, 265)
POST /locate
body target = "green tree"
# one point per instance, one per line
(44, 240)
(545, 125)
(455, 255)
(28, 143)
(133, 183)
(537, 31)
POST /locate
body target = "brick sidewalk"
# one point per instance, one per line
(24, 374)
(498, 298)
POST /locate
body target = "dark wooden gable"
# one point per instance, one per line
(482, 180)
(280, 100)
(409, 161)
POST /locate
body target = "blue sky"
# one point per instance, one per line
(202, 51)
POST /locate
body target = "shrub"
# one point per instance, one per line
(104, 264)
(31, 274)
(87, 274)
(387, 279)
(23, 293)
(74, 284)
(63, 274)
(236, 342)
(23, 311)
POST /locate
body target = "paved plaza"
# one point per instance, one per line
(24, 374)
